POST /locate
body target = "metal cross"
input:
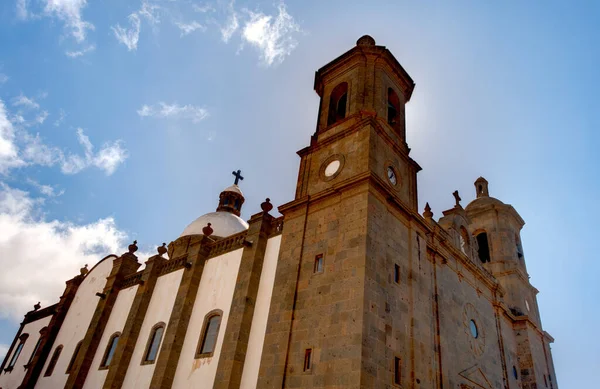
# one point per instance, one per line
(238, 176)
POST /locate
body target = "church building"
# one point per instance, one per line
(354, 287)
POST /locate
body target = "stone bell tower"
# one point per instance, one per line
(355, 200)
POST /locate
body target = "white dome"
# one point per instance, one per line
(234, 188)
(223, 224)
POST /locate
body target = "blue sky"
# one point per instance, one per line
(123, 120)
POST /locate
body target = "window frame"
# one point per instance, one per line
(17, 353)
(53, 360)
(308, 360)
(153, 330)
(393, 100)
(397, 371)
(74, 357)
(336, 95)
(319, 259)
(103, 362)
(479, 245)
(396, 273)
(199, 354)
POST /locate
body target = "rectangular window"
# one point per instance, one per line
(396, 273)
(397, 370)
(307, 359)
(319, 264)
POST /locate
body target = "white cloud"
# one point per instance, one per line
(3, 350)
(150, 12)
(272, 36)
(80, 53)
(204, 8)
(61, 248)
(22, 10)
(129, 37)
(70, 12)
(41, 117)
(163, 110)
(188, 28)
(3, 78)
(26, 102)
(230, 27)
(9, 152)
(108, 158)
(46, 190)
(61, 118)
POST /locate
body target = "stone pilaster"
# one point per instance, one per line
(239, 322)
(123, 266)
(60, 312)
(131, 330)
(196, 248)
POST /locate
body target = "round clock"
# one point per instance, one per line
(391, 175)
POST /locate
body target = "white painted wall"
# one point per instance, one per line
(159, 309)
(95, 378)
(261, 314)
(11, 380)
(215, 292)
(76, 323)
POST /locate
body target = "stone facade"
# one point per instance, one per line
(358, 290)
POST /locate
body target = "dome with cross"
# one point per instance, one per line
(226, 220)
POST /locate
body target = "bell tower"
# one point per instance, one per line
(361, 128)
(338, 296)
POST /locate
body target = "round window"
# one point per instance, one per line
(332, 168)
(473, 327)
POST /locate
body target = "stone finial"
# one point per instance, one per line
(37, 306)
(427, 214)
(365, 40)
(207, 230)
(266, 206)
(133, 247)
(84, 270)
(162, 250)
(457, 198)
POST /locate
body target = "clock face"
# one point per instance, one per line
(391, 174)
(332, 168)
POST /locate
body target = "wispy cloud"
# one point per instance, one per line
(108, 158)
(9, 152)
(231, 25)
(3, 78)
(273, 36)
(46, 190)
(80, 53)
(26, 102)
(150, 12)
(188, 28)
(203, 8)
(176, 111)
(70, 13)
(61, 118)
(129, 36)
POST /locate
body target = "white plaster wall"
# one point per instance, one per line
(159, 309)
(11, 380)
(261, 313)
(95, 378)
(76, 323)
(215, 292)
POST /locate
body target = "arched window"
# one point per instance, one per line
(519, 247)
(393, 108)
(110, 350)
(208, 336)
(18, 350)
(53, 361)
(337, 103)
(74, 357)
(464, 240)
(153, 345)
(484, 248)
